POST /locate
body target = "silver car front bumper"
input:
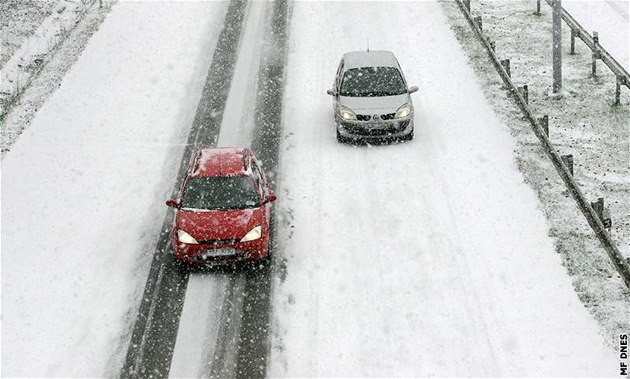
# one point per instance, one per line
(366, 130)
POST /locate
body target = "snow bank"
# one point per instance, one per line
(610, 19)
(25, 62)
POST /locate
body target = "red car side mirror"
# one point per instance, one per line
(173, 203)
(271, 198)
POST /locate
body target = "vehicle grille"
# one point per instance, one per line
(382, 130)
(368, 117)
(219, 242)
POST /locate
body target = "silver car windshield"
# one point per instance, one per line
(220, 193)
(372, 82)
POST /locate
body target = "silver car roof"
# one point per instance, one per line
(375, 58)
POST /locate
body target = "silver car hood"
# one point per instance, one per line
(374, 105)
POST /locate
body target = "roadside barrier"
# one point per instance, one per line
(595, 214)
(598, 52)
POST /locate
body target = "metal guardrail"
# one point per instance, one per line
(600, 53)
(583, 204)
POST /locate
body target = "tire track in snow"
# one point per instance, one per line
(250, 328)
(223, 362)
(155, 330)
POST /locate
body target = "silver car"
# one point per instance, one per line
(371, 98)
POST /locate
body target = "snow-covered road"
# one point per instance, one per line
(424, 258)
(83, 187)
(207, 294)
(420, 259)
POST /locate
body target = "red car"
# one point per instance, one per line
(222, 209)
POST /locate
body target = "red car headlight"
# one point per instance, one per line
(253, 234)
(184, 237)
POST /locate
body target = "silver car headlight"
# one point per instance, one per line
(403, 111)
(184, 237)
(346, 113)
(253, 234)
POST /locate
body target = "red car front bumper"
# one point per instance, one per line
(216, 254)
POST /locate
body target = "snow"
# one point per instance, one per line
(194, 351)
(17, 72)
(83, 186)
(18, 20)
(610, 19)
(429, 258)
(583, 124)
(421, 259)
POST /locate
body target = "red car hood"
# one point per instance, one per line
(211, 225)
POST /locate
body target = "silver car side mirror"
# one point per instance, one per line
(331, 92)
(412, 89)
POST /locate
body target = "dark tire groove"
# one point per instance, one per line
(253, 346)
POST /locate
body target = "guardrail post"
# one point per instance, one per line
(506, 66)
(598, 206)
(537, 13)
(596, 53)
(568, 161)
(621, 80)
(556, 53)
(467, 4)
(606, 219)
(479, 22)
(524, 92)
(602, 213)
(544, 122)
(573, 35)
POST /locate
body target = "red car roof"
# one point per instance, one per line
(222, 162)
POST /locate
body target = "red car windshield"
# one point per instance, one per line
(220, 193)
